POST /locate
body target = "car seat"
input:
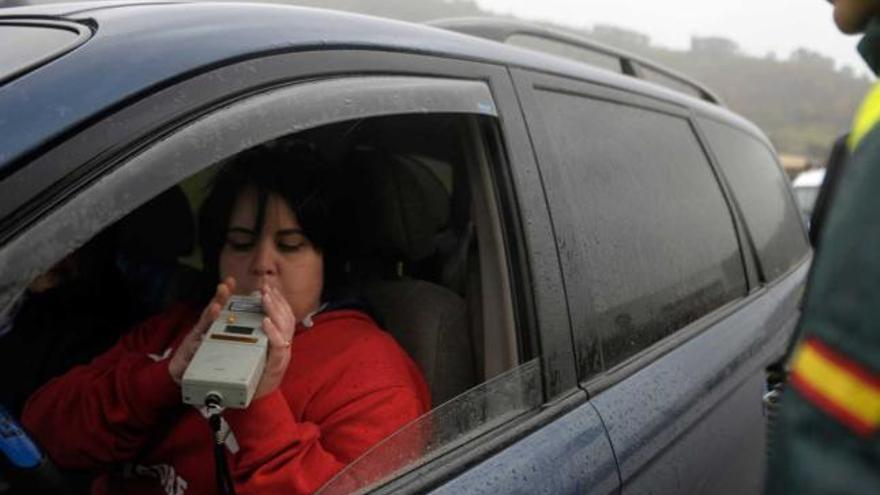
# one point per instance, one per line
(402, 210)
(149, 242)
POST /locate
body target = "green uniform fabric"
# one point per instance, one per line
(812, 452)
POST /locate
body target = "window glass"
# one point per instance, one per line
(651, 244)
(490, 404)
(578, 53)
(761, 190)
(32, 43)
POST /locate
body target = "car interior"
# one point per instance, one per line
(414, 255)
(425, 254)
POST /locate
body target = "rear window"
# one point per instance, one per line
(761, 189)
(29, 44)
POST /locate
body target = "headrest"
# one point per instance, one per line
(401, 204)
(161, 230)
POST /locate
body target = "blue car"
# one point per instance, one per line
(596, 274)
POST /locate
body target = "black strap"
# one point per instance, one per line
(221, 465)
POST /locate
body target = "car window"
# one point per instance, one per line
(430, 270)
(651, 245)
(762, 192)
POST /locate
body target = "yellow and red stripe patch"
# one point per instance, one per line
(837, 385)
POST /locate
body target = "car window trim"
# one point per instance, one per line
(56, 168)
(529, 81)
(753, 260)
(747, 249)
(217, 135)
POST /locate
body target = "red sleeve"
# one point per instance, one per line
(102, 412)
(378, 391)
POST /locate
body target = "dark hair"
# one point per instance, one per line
(294, 172)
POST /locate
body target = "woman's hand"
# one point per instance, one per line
(188, 346)
(279, 326)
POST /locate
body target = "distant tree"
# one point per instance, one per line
(713, 46)
(620, 36)
(405, 10)
(807, 57)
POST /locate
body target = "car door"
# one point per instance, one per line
(550, 443)
(92, 179)
(672, 328)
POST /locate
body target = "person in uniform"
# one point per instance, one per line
(827, 439)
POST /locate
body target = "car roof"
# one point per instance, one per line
(809, 178)
(139, 47)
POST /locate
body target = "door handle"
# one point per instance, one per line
(770, 400)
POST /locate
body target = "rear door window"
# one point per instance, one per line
(762, 192)
(647, 240)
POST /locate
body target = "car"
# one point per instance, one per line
(806, 190)
(594, 265)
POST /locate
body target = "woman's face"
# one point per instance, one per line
(280, 255)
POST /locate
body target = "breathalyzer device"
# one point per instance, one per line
(228, 364)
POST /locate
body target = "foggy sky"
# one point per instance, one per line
(758, 26)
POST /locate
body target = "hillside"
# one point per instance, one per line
(801, 102)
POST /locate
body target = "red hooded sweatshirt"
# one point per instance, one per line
(348, 385)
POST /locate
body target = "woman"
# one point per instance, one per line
(334, 384)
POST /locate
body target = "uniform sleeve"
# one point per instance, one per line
(102, 413)
(375, 395)
(826, 439)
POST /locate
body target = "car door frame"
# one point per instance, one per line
(56, 184)
(777, 306)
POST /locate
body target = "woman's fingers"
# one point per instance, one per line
(189, 345)
(279, 325)
(283, 306)
(212, 310)
(278, 310)
(224, 292)
(229, 288)
(277, 339)
(277, 359)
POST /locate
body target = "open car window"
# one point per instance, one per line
(426, 253)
